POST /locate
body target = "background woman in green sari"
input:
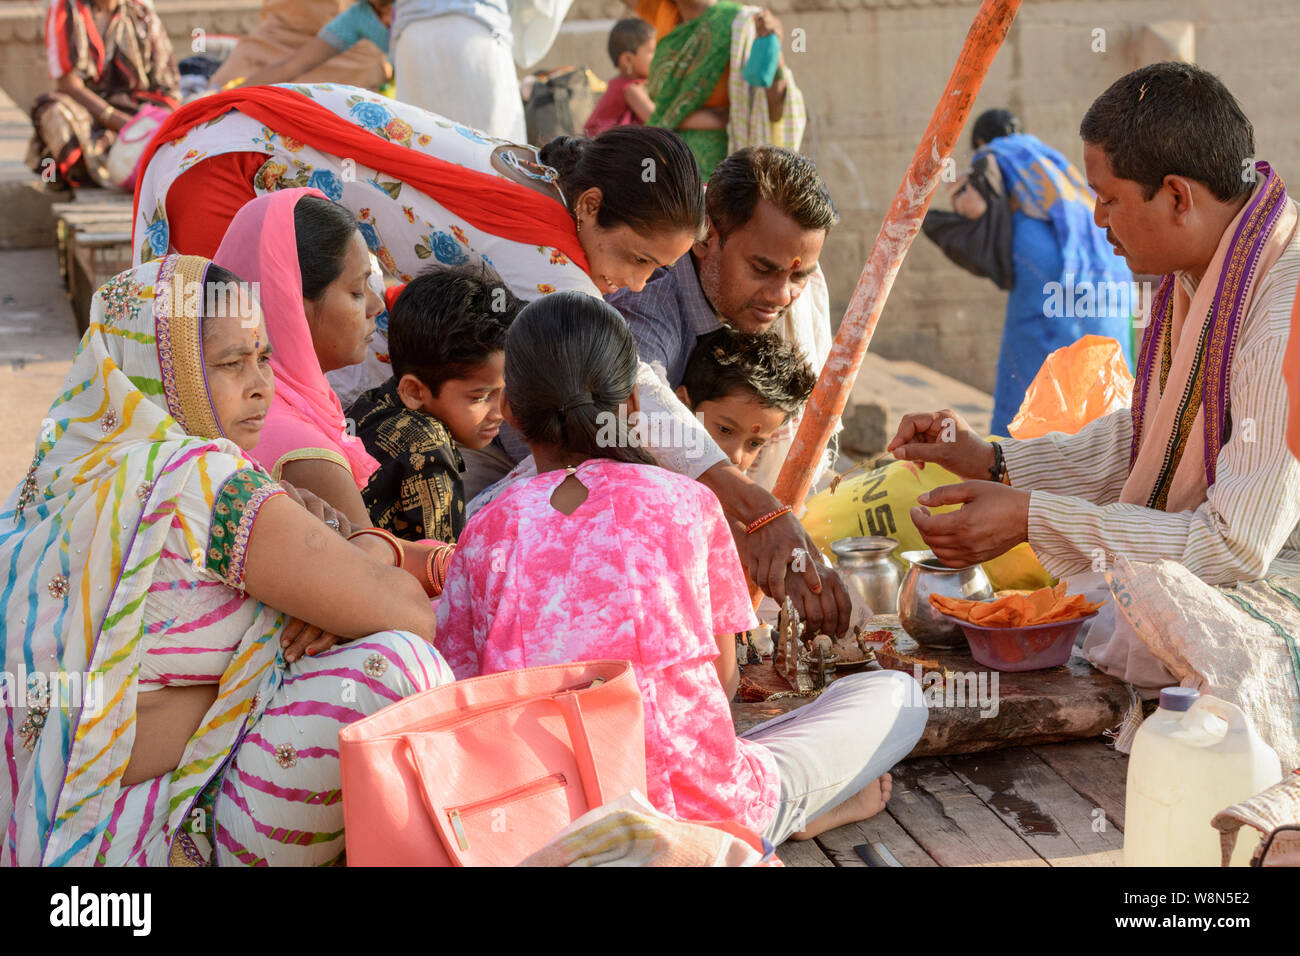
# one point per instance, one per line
(697, 79)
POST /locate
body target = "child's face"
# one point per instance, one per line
(739, 423)
(638, 62)
(470, 407)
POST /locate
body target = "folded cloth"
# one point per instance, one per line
(630, 832)
(1044, 606)
(1277, 808)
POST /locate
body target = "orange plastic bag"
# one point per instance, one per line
(1076, 384)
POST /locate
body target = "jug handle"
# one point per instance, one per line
(1224, 709)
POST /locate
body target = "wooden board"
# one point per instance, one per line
(977, 709)
(802, 853)
(1094, 770)
(838, 844)
(950, 822)
(1061, 826)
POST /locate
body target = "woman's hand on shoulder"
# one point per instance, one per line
(320, 508)
(331, 482)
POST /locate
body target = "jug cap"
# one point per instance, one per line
(1178, 698)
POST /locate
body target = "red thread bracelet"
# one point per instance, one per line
(770, 516)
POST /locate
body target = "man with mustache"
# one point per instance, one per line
(755, 269)
(1197, 470)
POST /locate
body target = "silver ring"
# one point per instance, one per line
(333, 523)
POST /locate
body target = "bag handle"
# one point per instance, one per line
(582, 752)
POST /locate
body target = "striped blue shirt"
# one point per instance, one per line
(667, 316)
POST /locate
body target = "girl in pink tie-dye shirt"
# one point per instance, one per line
(604, 555)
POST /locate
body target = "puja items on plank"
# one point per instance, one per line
(1020, 632)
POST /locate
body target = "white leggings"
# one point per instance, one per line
(828, 750)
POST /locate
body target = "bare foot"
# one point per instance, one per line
(864, 804)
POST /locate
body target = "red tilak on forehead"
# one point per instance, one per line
(754, 429)
(796, 263)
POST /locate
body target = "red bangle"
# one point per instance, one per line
(770, 516)
(435, 568)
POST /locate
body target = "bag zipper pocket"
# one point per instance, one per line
(553, 781)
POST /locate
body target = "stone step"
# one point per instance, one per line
(888, 389)
(28, 220)
(37, 340)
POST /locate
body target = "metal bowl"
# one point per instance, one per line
(927, 575)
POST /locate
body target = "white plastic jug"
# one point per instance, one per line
(1193, 757)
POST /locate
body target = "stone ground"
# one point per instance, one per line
(37, 340)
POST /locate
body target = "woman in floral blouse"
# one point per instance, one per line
(594, 216)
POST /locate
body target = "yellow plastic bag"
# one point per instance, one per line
(1075, 385)
(880, 502)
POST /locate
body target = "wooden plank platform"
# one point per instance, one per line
(1014, 807)
(977, 709)
(94, 237)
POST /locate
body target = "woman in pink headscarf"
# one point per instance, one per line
(312, 270)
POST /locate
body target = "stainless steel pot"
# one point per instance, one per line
(868, 572)
(927, 575)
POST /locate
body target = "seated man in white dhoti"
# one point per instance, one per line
(1198, 470)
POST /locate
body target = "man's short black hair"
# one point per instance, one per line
(627, 36)
(727, 361)
(787, 179)
(448, 321)
(1173, 119)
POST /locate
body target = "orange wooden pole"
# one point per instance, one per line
(892, 242)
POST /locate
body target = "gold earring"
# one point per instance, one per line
(579, 222)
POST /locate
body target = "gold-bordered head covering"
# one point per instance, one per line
(178, 316)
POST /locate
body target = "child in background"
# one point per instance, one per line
(631, 47)
(606, 556)
(744, 387)
(364, 20)
(446, 333)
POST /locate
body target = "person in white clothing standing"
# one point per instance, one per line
(453, 57)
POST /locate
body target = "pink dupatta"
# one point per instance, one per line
(306, 419)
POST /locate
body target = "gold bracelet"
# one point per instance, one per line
(386, 536)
